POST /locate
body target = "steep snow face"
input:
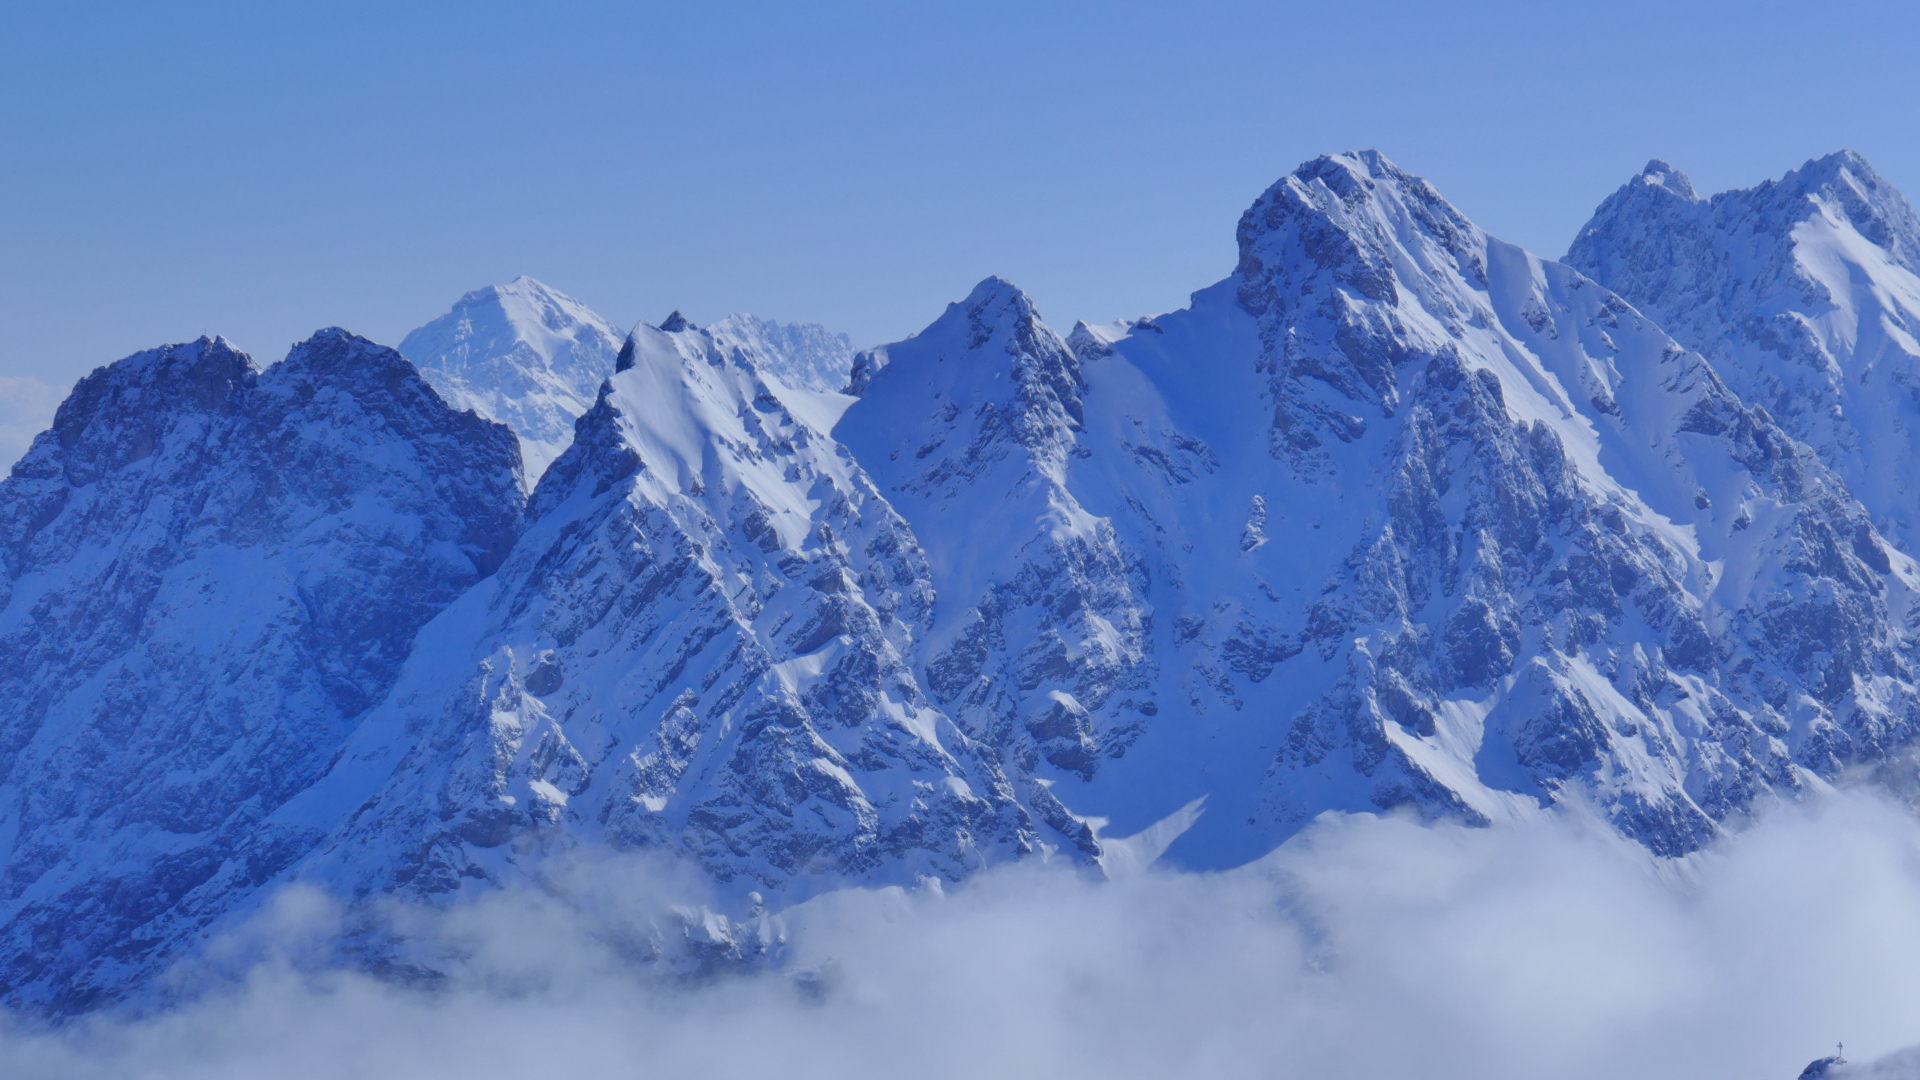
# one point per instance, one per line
(703, 643)
(803, 356)
(206, 572)
(1803, 294)
(521, 354)
(1396, 515)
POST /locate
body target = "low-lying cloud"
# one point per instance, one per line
(1366, 947)
(26, 409)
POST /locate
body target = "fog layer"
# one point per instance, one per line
(1366, 947)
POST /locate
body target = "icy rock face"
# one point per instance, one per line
(207, 572)
(702, 643)
(1398, 515)
(803, 356)
(1802, 292)
(521, 354)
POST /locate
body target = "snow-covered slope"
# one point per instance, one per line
(521, 354)
(1803, 294)
(206, 572)
(1396, 515)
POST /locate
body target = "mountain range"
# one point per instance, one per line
(1397, 517)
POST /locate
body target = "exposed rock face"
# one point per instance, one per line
(208, 572)
(1802, 292)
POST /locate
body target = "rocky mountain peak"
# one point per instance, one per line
(336, 358)
(1007, 302)
(1351, 267)
(120, 413)
(1661, 175)
(1338, 215)
(260, 549)
(1845, 186)
(1087, 343)
(1801, 292)
(988, 375)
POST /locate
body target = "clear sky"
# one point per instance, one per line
(262, 170)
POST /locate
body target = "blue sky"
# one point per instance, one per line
(172, 169)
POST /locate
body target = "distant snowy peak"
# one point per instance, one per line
(522, 354)
(804, 356)
(534, 359)
(1802, 292)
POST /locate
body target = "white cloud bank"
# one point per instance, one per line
(1366, 948)
(26, 409)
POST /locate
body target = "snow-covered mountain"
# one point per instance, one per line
(971, 428)
(804, 356)
(1395, 516)
(206, 573)
(521, 354)
(1802, 293)
(704, 641)
(534, 359)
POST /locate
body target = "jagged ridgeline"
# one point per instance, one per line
(1395, 516)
